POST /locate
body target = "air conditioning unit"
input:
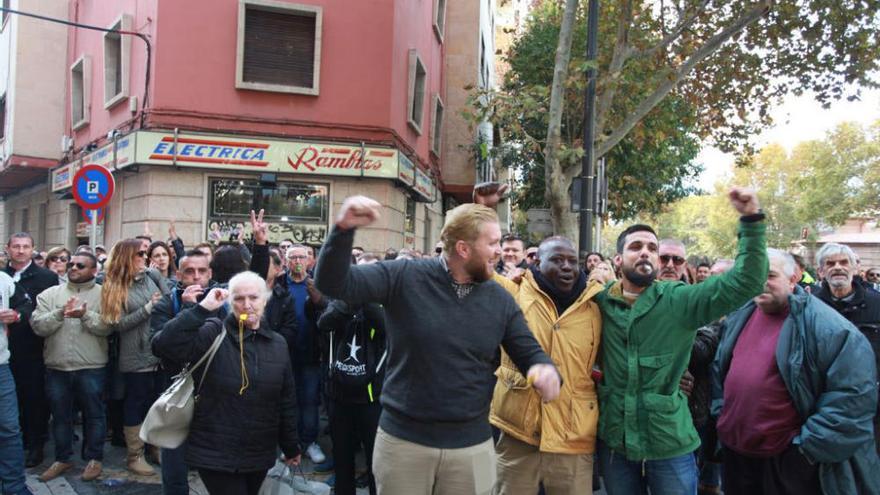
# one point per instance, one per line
(66, 143)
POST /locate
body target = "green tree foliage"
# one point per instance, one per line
(674, 74)
(816, 186)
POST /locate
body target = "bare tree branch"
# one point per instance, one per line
(622, 51)
(675, 32)
(711, 46)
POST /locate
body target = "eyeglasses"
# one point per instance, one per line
(531, 255)
(142, 254)
(438, 250)
(676, 260)
(79, 266)
(63, 259)
(297, 257)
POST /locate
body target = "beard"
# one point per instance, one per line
(477, 270)
(838, 283)
(642, 274)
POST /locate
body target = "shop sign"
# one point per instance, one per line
(103, 156)
(83, 229)
(235, 153)
(232, 230)
(412, 176)
(62, 177)
(424, 186)
(406, 170)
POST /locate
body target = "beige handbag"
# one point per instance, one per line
(167, 422)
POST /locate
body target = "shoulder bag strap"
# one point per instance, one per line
(209, 355)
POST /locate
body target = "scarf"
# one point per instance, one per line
(561, 299)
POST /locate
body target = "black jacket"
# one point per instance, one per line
(863, 311)
(24, 344)
(304, 348)
(281, 315)
(700, 366)
(336, 320)
(171, 311)
(233, 432)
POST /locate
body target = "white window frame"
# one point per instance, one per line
(439, 19)
(437, 124)
(122, 23)
(85, 67)
(284, 8)
(414, 63)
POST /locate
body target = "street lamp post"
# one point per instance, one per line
(588, 190)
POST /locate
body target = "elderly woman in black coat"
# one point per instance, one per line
(246, 407)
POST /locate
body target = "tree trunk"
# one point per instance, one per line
(556, 188)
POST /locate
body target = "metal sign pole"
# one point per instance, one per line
(93, 237)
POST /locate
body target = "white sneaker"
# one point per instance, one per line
(315, 453)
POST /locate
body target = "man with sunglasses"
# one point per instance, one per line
(26, 347)
(68, 317)
(673, 261)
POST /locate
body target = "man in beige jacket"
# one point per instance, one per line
(551, 442)
(75, 352)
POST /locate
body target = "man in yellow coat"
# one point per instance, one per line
(551, 442)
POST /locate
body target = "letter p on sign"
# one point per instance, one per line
(92, 187)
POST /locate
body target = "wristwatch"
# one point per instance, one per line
(754, 217)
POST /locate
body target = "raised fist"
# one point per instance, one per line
(357, 211)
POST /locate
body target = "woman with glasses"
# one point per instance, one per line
(127, 298)
(160, 259)
(56, 260)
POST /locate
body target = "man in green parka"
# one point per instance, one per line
(647, 438)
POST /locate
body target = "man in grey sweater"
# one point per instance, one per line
(446, 321)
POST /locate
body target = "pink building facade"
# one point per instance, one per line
(290, 106)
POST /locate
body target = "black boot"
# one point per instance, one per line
(34, 457)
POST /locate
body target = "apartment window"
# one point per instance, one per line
(80, 92)
(436, 125)
(2, 117)
(439, 18)
(117, 60)
(279, 47)
(416, 91)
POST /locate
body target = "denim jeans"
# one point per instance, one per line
(308, 399)
(141, 390)
(175, 472)
(673, 476)
(85, 388)
(11, 449)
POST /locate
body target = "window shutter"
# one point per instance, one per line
(279, 48)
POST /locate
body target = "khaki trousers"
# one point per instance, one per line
(521, 467)
(406, 468)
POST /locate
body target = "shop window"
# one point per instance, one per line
(437, 125)
(439, 18)
(117, 60)
(409, 217)
(295, 210)
(416, 91)
(279, 47)
(80, 92)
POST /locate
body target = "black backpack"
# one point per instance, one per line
(357, 354)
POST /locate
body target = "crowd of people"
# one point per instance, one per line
(488, 366)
